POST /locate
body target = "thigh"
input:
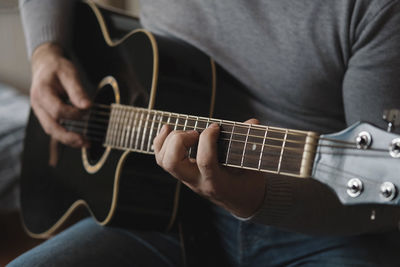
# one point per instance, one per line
(89, 244)
(268, 246)
(249, 244)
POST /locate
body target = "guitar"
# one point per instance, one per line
(117, 178)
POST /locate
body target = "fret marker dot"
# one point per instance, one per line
(254, 147)
(152, 147)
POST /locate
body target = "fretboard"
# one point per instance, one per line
(262, 148)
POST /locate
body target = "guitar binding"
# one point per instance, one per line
(94, 157)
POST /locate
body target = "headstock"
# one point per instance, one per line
(361, 164)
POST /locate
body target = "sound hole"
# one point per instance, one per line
(97, 124)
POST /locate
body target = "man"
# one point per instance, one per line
(315, 65)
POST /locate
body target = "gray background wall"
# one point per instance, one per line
(14, 65)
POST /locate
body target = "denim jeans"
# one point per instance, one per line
(243, 244)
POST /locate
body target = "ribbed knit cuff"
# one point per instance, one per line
(46, 21)
(278, 201)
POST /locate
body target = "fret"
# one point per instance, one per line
(237, 143)
(172, 121)
(128, 128)
(176, 123)
(195, 124)
(293, 153)
(118, 125)
(151, 132)
(245, 145)
(272, 149)
(186, 121)
(169, 119)
(230, 143)
(253, 146)
(124, 126)
(179, 123)
(201, 125)
(134, 131)
(262, 148)
(193, 150)
(145, 129)
(268, 149)
(281, 155)
(138, 130)
(160, 123)
(109, 127)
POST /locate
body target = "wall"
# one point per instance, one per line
(14, 65)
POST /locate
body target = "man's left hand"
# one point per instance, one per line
(241, 192)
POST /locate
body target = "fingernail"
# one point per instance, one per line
(84, 103)
(213, 125)
(192, 132)
(163, 129)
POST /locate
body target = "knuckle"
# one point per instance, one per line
(204, 163)
(56, 110)
(48, 129)
(34, 94)
(169, 165)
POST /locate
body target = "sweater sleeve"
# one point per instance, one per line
(46, 21)
(371, 84)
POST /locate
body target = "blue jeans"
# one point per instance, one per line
(243, 244)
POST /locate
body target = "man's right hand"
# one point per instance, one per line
(54, 78)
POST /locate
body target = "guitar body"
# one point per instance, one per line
(118, 187)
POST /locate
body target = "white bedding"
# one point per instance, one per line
(14, 109)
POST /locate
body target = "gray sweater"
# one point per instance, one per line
(308, 64)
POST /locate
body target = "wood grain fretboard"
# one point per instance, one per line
(241, 145)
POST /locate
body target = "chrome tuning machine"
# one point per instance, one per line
(392, 118)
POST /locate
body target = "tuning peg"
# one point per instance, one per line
(392, 118)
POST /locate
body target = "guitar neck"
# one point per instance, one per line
(248, 146)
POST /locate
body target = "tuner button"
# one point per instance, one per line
(363, 140)
(388, 191)
(354, 187)
(394, 148)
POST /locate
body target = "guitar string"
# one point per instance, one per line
(255, 136)
(278, 148)
(229, 123)
(236, 124)
(83, 126)
(105, 127)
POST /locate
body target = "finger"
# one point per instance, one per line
(56, 131)
(207, 159)
(69, 79)
(50, 101)
(175, 159)
(159, 142)
(252, 121)
(160, 138)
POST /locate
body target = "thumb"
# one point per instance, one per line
(69, 79)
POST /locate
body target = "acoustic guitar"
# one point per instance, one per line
(131, 75)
